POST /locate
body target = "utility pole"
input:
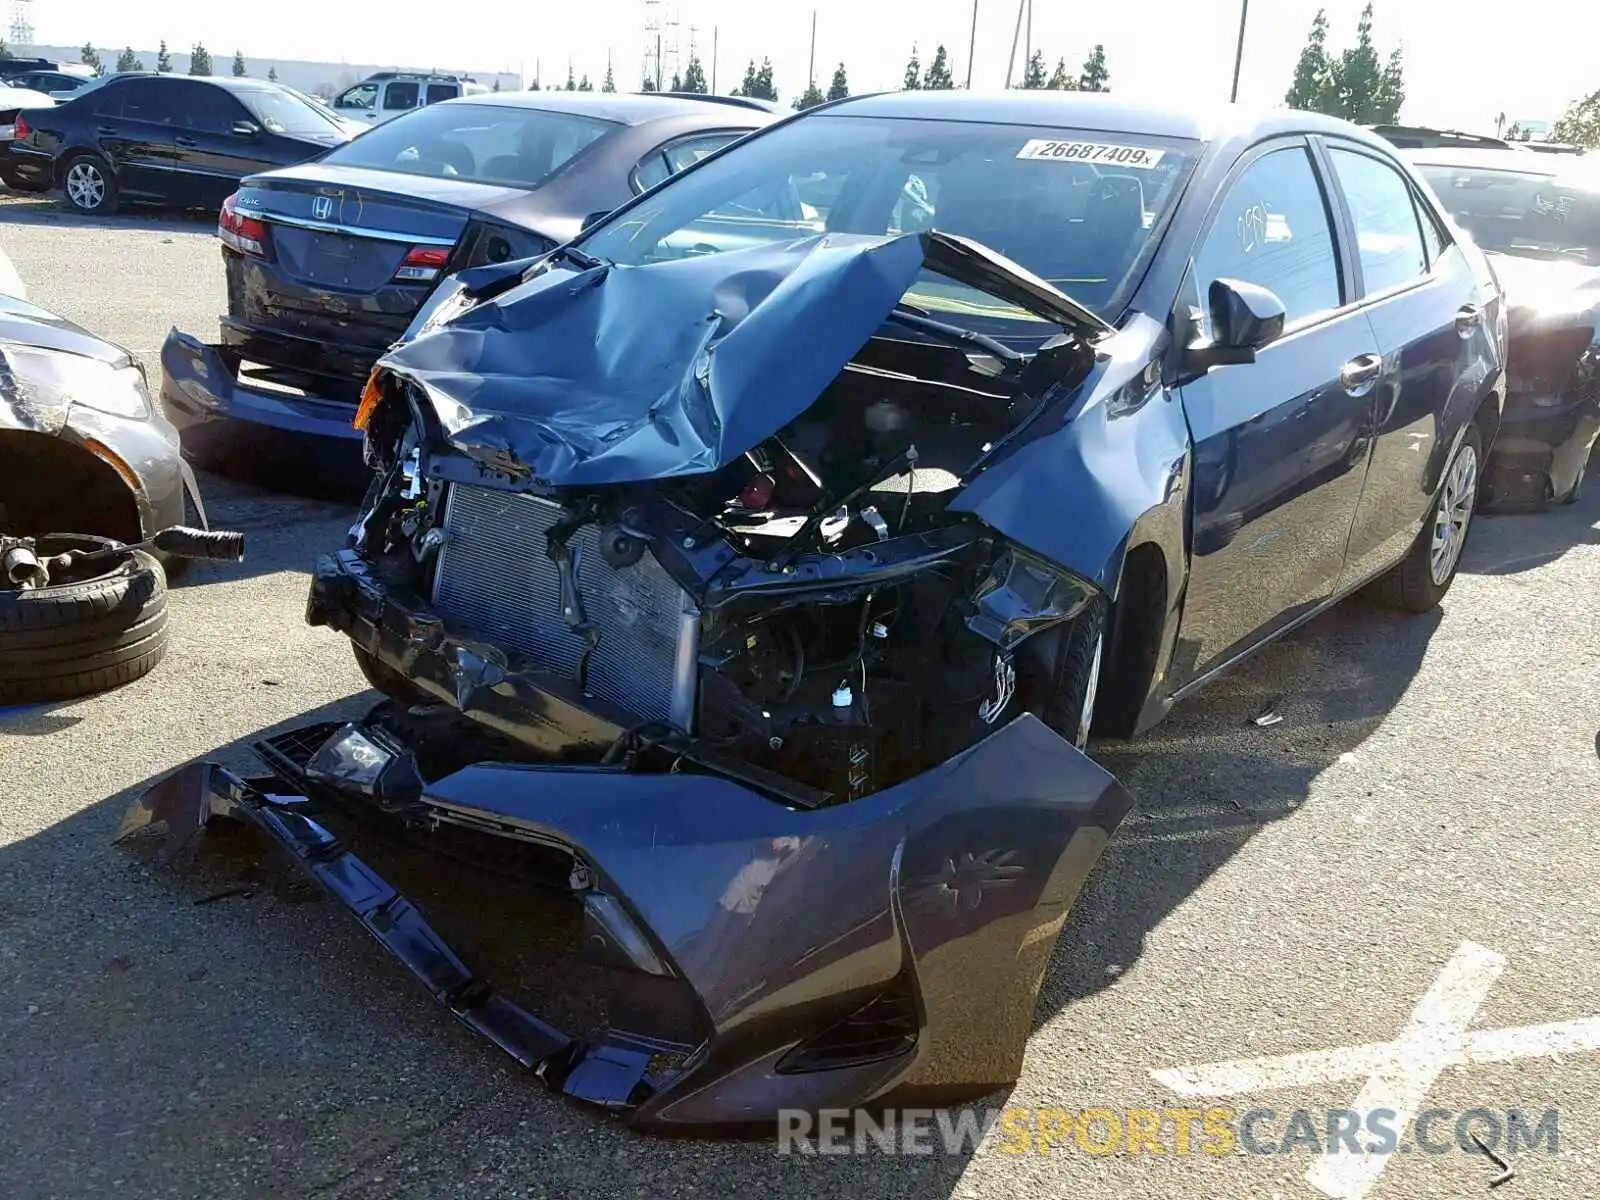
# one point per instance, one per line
(1016, 32)
(658, 62)
(811, 67)
(972, 43)
(1238, 55)
(1027, 42)
(714, 30)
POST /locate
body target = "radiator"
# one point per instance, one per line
(496, 582)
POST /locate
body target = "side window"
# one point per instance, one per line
(148, 102)
(207, 109)
(668, 160)
(1434, 240)
(1272, 230)
(441, 91)
(363, 96)
(398, 97)
(1388, 235)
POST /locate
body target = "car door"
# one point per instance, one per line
(359, 102)
(1281, 443)
(399, 96)
(211, 155)
(132, 125)
(1420, 295)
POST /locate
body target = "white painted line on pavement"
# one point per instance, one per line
(1400, 1073)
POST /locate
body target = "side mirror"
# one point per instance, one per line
(1244, 318)
(593, 219)
(246, 128)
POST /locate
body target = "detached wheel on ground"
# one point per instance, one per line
(89, 185)
(83, 636)
(1421, 579)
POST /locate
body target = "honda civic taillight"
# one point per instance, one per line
(423, 264)
(21, 128)
(247, 235)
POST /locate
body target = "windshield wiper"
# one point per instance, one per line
(917, 318)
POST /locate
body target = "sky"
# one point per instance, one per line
(1465, 63)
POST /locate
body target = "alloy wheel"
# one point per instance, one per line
(86, 186)
(1450, 519)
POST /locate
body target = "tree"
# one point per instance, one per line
(694, 76)
(748, 86)
(765, 88)
(199, 60)
(809, 98)
(840, 87)
(1391, 91)
(1358, 75)
(1580, 124)
(1060, 81)
(496, 86)
(129, 61)
(913, 79)
(938, 78)
(5, 50)
(584, 85)
(649, 85)
(239, 69)
(677, 83)
(89, 57)
(1095, 77)
(163, 60)
(1312, 89)
(272, 74)
(1034, 76)
(609, 83)
(572, 80)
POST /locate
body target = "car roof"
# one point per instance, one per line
(1102, 111)
(1486, 160)
(625, 108)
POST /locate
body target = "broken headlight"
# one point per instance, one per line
(50, 381)
(362, 760)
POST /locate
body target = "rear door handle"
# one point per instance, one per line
(1468, 318)
(187, 143)
(105, 130)
(1361, 374)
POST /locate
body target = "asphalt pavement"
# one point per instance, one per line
(1400, 872)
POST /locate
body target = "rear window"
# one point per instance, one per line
(1522, 213)
(484, 143)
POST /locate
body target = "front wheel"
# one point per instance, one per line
(89, 185)
(1420, 580)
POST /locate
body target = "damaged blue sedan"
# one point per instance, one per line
(757, 565)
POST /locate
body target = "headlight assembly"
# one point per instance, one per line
(49, 381)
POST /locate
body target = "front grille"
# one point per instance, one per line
(496, 581)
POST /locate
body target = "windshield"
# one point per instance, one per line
(1079, 209)
(280, 112)
(1522, 213)
(485, 143)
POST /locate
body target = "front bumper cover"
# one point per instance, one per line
(791, 928)
(1541, 450)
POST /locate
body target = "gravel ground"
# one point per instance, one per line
(1280, 889)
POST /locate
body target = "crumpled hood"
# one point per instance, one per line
(624, 373)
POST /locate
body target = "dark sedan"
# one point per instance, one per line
(754, 566)
(328, 262)
(164, 139)
(1538, 219)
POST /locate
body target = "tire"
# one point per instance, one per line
(97, 180)
(387, 680)
(75, 639)
(1419, 581)
(1070, 707)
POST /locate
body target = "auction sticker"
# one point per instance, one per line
(1140, 157)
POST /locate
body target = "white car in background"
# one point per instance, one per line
(12, 101)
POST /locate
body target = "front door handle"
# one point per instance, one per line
(1360, 375)
(1468, 318)
(186, 143)
(105, 130)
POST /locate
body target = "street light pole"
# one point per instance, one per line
(972, 43)
(1238, 56)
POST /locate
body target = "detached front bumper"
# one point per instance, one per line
(884, 951)
(1542, 450)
